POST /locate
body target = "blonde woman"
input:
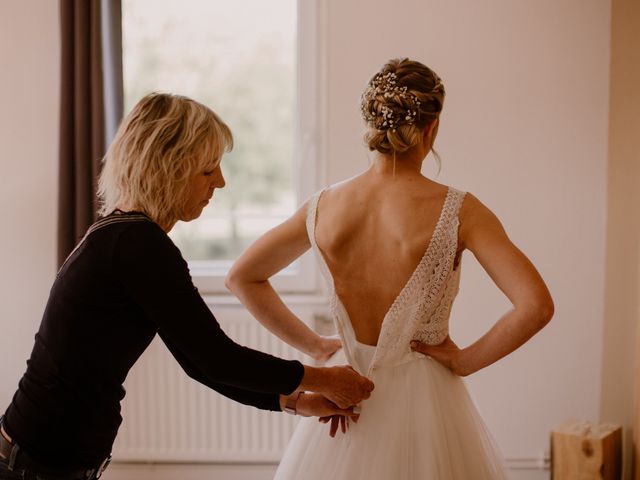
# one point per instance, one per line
(126, 282)
(389, 243)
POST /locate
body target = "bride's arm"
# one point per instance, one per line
(482, 233)
(249, 277)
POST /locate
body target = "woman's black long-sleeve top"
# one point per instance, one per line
(125, 282)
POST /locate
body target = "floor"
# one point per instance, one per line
(121, 471)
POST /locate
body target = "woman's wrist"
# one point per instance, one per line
(312, 404)
(289, 403)
(314, 379)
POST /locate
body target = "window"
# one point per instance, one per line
(240, 58)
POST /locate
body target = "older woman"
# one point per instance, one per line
(127, 281)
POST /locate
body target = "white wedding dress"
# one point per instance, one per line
(420, 422)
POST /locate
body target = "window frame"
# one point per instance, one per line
(207, 276)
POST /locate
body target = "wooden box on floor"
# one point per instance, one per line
(585, 451)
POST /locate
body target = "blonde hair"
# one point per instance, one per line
(158, 147)
(398, 103)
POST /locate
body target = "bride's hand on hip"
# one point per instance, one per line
(447, 353)
(326, 348)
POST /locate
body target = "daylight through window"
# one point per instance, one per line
(239, 59)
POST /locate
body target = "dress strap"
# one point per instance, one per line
(312, 216)
(457, 200)
(451, 209)
(449, 238)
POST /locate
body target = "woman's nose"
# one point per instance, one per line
(219, 183)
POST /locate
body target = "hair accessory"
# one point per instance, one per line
(385, 85)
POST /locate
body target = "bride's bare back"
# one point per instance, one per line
(372, 231)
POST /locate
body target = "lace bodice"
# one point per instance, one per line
(422, 308)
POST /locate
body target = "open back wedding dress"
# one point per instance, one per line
(420, 422)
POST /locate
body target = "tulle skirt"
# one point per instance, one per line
(419, 423)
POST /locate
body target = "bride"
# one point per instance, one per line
(389, 243)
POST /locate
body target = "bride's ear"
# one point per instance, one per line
(430, 131)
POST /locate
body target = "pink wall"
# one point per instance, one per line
(525, 129)
(29, 85)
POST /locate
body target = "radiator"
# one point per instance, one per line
(168, 417)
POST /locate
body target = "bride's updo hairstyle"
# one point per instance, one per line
(398, 103)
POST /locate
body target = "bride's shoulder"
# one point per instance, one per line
(346, 184)
(344, 188)
(476, 218)
(434, 191)
(323, 196)
(472, 207)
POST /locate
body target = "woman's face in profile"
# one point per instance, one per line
(201, 187)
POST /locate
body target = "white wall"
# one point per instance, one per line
(525, 129)
(29, 91)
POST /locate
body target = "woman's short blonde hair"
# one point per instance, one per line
(398, 103)
(159, 146)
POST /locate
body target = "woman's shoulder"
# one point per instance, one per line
(141, 236)
(126, 224)
(122, 220)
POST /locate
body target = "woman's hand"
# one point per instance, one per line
(342, 385)
(341, 421)
(326, 348)
(346, 387)
(316, 405)
(447, 353)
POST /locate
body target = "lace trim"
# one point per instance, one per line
(408, 289)
(423, 307)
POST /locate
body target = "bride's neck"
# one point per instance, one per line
(406, 164)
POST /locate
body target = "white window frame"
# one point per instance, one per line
(308, 172)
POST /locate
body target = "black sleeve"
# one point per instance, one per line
(156, 276)
(265, 401)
